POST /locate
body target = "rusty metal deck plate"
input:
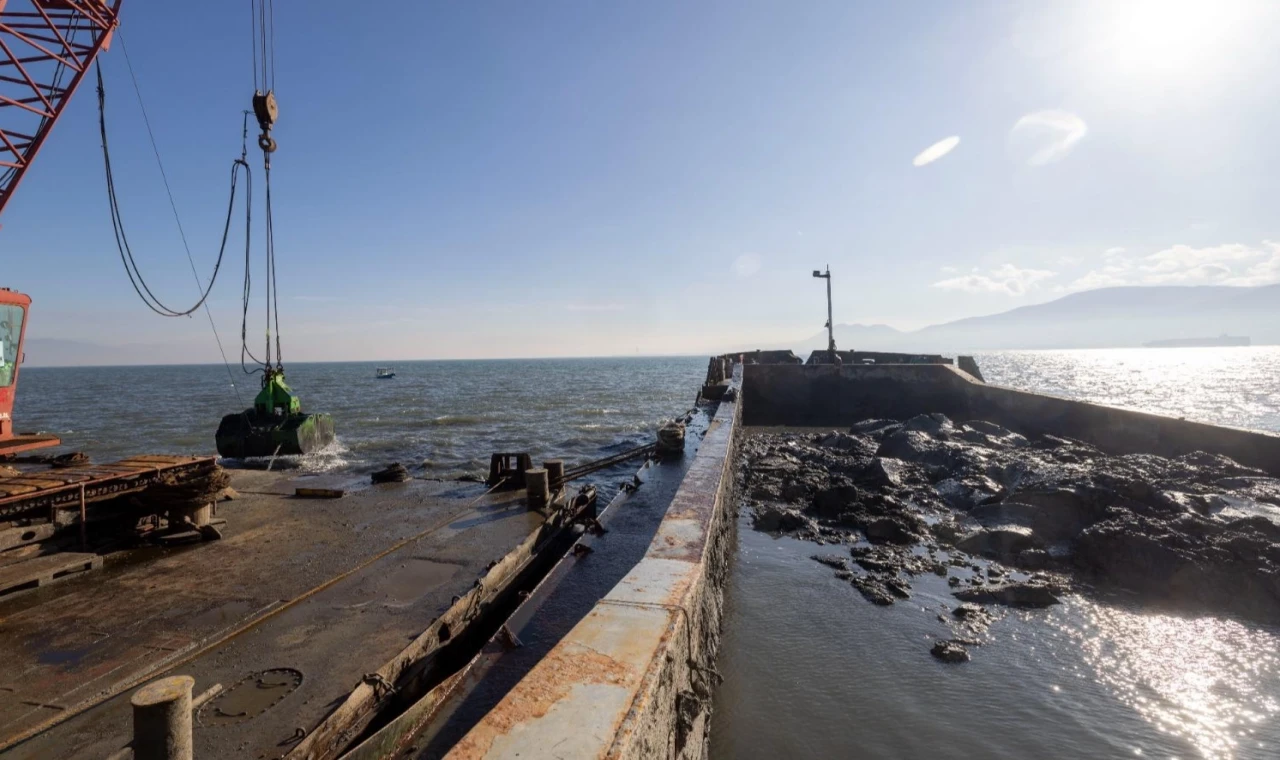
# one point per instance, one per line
(57, 487)
(41, 571)
(325, 587)
(20, 443)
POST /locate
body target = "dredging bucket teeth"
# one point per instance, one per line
(248, 434)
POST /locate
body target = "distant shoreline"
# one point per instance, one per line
(618, 357)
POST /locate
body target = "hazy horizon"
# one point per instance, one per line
(801, 351)
(1102, 318)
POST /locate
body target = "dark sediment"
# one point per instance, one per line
(1199, 533)
(950, 651)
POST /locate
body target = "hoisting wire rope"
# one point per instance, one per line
(248, 270)
(122, 244)
(262, 18)
(253, 39)
(263, 37)
(271, 19)
(262, 27)
(271, 259)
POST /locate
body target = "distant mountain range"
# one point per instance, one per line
(1103, 318)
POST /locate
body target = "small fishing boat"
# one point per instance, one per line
(385, 373)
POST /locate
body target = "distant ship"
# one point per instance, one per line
(1221, 340)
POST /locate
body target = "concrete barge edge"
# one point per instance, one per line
(633, 679)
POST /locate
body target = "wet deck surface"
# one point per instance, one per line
(632, 524)
(153, 611)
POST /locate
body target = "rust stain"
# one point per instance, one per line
(683, 540)
(678, 595)
(624, 730)
(567, 665)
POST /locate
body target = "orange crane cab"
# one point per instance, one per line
(13, 324)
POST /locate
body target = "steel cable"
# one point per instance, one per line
(253, 39)
(248, 247)
(262, 27)
(155, 149)
(122, 242)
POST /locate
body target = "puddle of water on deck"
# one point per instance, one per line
(414, 578)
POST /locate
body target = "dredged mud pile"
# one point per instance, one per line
(1016, 521)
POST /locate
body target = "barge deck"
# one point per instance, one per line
(315, 592)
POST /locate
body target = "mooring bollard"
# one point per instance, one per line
(555, 473)
(537, 488)
(196, 517)
(162, 719)
(671, 440)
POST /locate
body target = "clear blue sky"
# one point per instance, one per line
(573, 178)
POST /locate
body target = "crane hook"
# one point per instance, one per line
(266, 110)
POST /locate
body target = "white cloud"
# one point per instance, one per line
(747, 264)
(948, 270)
(1262, 272)
(1043, 137)
(1201, 274)
(1108, 276)
(1114, 251)
(1183, 257)
(936, 151)
(1007, 279)
(1227, 264)
(1067, 261)
(594, 307)
(1095, 280)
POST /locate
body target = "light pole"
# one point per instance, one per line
(831, 328)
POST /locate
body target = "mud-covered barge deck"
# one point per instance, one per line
(317, 593)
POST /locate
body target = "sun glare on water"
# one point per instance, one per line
(1206, 680)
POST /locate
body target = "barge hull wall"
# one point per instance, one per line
(632, 678)
(822, 395)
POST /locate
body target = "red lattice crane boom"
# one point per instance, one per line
(46, 48)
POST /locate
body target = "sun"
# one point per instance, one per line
(1166, 39)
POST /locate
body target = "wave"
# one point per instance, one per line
(449, 420)
(335, 456)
